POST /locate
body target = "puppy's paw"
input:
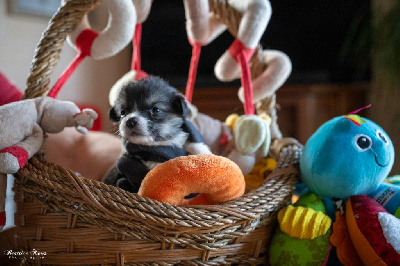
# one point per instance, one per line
(85, 118)
(12, 159)
(124, 183)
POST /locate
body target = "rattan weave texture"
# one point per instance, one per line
(79, 221)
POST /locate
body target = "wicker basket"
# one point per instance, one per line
(76, 221)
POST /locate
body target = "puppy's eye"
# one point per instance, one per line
(123, 113)
(155, 110)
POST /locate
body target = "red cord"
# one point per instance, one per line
(242, 55)
(137, 38)
(194, 62)
(84, 45)
(136, 59)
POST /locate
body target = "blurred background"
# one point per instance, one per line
(345, 55)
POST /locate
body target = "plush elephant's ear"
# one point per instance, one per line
(249, 133)
(112, 114)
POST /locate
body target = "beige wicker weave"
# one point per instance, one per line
(78, 221)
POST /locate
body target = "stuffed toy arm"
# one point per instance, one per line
(56, 115)
(85, 120)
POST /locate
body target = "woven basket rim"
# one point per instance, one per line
(143, 218)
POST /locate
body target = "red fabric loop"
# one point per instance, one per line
(85, 40)
(237, 47)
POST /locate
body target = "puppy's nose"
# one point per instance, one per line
(132, 122)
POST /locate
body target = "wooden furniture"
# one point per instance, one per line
(302, 108)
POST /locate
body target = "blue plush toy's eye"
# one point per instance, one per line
(382, 136)
(362, 142)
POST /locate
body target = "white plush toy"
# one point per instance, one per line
(251, 133)
(99, 45)
(203, 26)
(116, 35)
(243, 139)
(142, 9)
(22, 125)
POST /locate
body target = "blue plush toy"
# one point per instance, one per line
(347, 156)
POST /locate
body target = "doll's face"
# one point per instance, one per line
(347, 155)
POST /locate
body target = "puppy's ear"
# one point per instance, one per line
(181, 105)
(112, 114)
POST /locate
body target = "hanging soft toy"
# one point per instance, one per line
(142, 9)
(345, 160)
(111, 40)
(203, 26)
(252, 137)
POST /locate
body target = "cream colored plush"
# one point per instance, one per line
(203, 27)
(22, 125)
(116, 35)
(246, 143)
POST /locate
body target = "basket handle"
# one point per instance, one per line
(47, 53)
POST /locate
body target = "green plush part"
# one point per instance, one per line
(286, 250)
(397, 213)
(393, 180)
(311, 200)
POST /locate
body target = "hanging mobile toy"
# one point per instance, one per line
(143, 8)
(87, 42)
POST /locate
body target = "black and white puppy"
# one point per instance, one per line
(153, 125)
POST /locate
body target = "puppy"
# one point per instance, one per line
(153, 125)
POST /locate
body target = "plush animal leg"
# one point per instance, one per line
(14, 157)
(3, 190)
(202, 27)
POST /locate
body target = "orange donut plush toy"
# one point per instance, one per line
(216, 178)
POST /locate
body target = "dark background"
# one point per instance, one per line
(311, 33)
